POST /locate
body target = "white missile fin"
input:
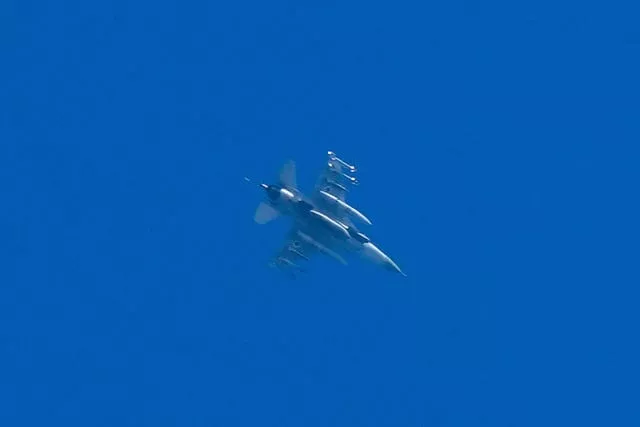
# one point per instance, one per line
(265, 213)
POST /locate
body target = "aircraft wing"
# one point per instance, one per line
(294, 254)
(301, 244)
(335, 181)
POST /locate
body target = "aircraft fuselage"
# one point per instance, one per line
(314, 221)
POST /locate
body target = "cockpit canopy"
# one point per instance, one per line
(358, 236)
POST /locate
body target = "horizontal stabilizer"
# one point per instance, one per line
(265, 213)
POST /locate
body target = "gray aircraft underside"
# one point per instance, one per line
(322, 223)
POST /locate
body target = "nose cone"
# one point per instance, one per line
(392, 266)
(372, 252)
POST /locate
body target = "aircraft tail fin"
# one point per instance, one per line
(265, 213)
(288, 175)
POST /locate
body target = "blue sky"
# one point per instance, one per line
(497, 150)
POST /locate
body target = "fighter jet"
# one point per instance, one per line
(322, 223)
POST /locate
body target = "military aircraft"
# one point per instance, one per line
(323, 222)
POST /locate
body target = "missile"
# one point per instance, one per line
(289, 263)
(334, 158)
(338, 229)
(351, 210)
(280, 264)
(352, 179)
(337, 185)
(298, 253)
(321, 247)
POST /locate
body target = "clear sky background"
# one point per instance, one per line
(497, 148)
